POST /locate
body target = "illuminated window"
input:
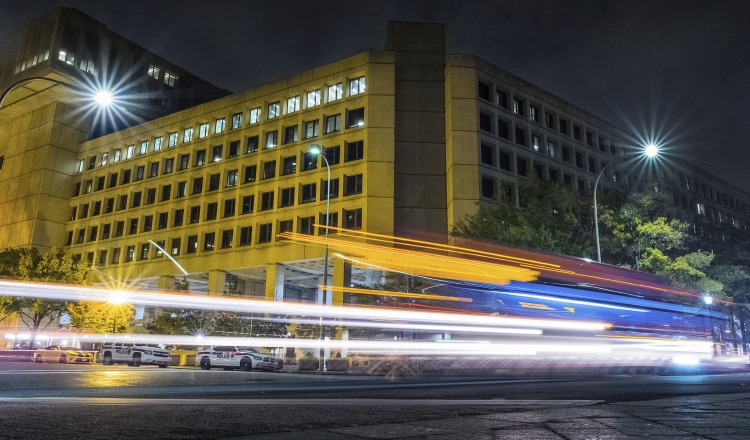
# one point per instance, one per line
(232, 178)
(313, 98)
(274, 110)
(353, 218)
(290, 134)
(170, 79)
(105, 158)
(272, 139)
(357, 86)
(333, 123)
(172, 140)
(154, 71)
(292, 104)
(187, 135)
(312, 128)
(203, 130)
(236, 120)
(220, 125)
(157, 143)
(255, 114)
(335, 92)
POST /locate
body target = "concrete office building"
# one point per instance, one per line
(415, 138)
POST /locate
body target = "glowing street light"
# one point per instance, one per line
(650, 151)
(316, 150)
(103, 98)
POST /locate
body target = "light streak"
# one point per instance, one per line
(396, 294)
(162, 299)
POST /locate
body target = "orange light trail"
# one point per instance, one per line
(392, 293)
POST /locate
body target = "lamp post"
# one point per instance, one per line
(102, 97)
(709, 300)
(650, 151)
(316, 150)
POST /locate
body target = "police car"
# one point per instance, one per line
(230, 357)
(134, 354)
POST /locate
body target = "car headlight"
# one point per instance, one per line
(148, 352)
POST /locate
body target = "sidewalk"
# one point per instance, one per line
(721, 417)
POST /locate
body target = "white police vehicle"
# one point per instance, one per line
(230, 357)
(134, 354)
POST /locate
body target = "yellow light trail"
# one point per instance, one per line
(392, 293)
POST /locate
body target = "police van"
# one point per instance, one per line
(134, 354)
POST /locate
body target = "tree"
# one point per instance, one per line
(100, 317)
(551, 217)
(27, 264)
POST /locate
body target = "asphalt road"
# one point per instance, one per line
(79, 401)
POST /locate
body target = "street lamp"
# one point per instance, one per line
(316, 150)
(709, 300)
(101, 97)
(650, 151)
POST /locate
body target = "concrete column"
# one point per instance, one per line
(217, 282)
(342, 277)
(274, 282)
(166, 282)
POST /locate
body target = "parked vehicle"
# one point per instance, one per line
(134, 354)
(278, 363)
(230, 357)
(62, 354)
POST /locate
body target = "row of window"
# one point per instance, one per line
(332, 124)
(268, 200)
(169, 78)
(287, 165)
(226, 238)
(520, 106)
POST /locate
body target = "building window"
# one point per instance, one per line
(187, 135)
(307, 225)
(179, 217)
(102, 257)
(533, 114)
(163, 220)
(485, 122)
(168, 165)
(166, 192)
(549, 120)
(312, 128)
(356, 86)
(136, 200)
(289, 165)
(229, 207)
(287, 197)
(252, 144)
(246, 235)
(313, 98)
(290, 134)
(126, 177)
(97, 208)
(353, 218)
(130, 152)
(153, 71)
(292, 104)
(145, 248)
(144, 148)
(333, 221)
(227, 237)
(200, 157)
(335, 92)
(176, 246)
(213, 181)
(563, 126)
(248, 203)
(589, 138)
(535, 142)
(133, 229)
(192, 244)
(488, 187)
(579, 159)
(234, 149)
(505, 161)
(518, 107)
(352, 184)
(203, 130)
(195, 214)
(266, 201)
(269, 169)
(172, 140)
(117, 156)
(272, 139)
(184, 161)
(236, 120)
(81, 165)
(115, 256)
(520, 136)
(488, 154)
(160, 244)
(265, 233)
(123, 204)
(324, 189)
(254, 115)
(220, 125)
(354, 151)
(93, 232)
(130, 254)
(231, 178)
(216, 153)
(483, 91)
(153, 169)
(332, 154)
(109, 206)
(333, 123)
(139, 170)
(551, 151)
(355, 118)
(212, 211)
(308, 193)
(250, 172)
(170, 79)
(119, 228)
(105, 158)
(274, 110)
(309, 161)
(503, 129)
(521, 166)
(181, 189)
(286, 226)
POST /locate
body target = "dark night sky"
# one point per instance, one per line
(675, 69)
